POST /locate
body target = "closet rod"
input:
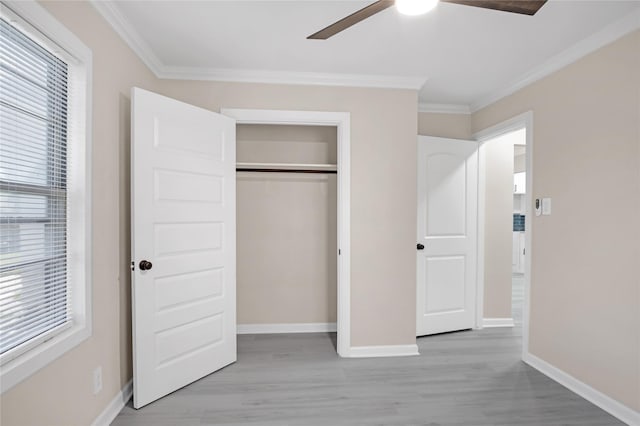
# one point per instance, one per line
(242, 169)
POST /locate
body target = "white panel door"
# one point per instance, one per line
(183, 224)
(447, 234)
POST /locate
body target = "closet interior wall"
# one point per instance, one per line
(286, 226)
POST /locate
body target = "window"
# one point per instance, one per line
(33, 186)
(44, 191)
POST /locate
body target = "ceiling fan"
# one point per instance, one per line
(415, 7)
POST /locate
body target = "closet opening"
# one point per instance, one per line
(290, 216)
(286, 244)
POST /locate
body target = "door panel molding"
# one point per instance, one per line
(183, 300)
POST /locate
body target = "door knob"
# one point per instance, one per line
(420, 246)
(145, 265)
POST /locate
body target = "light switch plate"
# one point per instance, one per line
(546, 206)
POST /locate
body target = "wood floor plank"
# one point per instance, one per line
(467, 378)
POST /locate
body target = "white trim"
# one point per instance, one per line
(122, 27)
(115, 406)
(79, 57)
(444, 108)
(295, 118)
(287, 166)
(608, 34)
(110, 12)
(291, 77)
(482, 193)
(497, 322)
(342, 122)
(311, 327)
(608, 404)
(518, 122)
(383, 351)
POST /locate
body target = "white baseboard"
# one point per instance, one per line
(117, 403)
(608, 404)
(497, 322)
(312, 327)
(383, 351)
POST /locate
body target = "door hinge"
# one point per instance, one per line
(339, 252)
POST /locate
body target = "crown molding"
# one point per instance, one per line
(607, 35)
(286, 77)
(610, 33)
(123, 27)
(444, 108)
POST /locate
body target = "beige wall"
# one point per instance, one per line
(383, 188)
(286, 227)
(61, 393)
(257, 143)
(455, 126)
(498, 223)
(585, 289)
(286, 248)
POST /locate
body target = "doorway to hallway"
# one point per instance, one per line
(503, 289)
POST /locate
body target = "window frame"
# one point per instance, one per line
(35, 22)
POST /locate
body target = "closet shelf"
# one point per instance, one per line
(290, 167)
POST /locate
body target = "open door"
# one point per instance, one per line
(183, 244)
(447, 234)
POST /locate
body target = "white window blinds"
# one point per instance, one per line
(34, 297)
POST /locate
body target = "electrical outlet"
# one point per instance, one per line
(97, 380)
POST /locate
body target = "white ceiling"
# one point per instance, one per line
(465, 54)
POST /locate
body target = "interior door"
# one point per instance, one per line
(447, 234)
(183, 244)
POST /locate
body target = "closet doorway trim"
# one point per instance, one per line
(342, 122)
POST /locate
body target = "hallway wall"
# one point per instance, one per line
(585, 288)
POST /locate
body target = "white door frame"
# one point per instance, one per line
(524, 120)
(342, 121)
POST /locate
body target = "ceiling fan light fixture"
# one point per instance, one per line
(415, 7)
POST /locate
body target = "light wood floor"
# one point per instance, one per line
(466, 378)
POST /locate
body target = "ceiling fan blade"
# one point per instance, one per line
(352, 19)
(525, 7)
